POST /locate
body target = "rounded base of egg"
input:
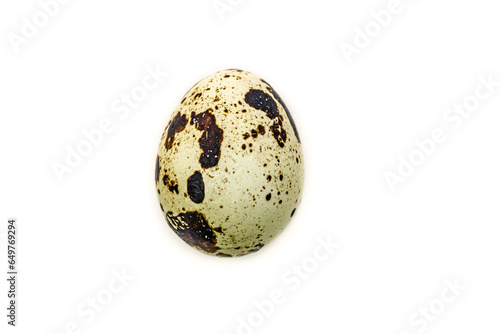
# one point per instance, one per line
(229, 171)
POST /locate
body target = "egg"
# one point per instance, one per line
(229, 170)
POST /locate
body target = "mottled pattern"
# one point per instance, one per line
(229, 172)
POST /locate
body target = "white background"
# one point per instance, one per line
(397, 248)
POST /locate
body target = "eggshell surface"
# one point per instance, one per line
(229, 171)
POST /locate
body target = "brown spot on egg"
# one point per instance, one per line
(157, 169)
(211, 138)
(196, 187)
(193, 228)
(278, 132)
(263, 101)
(174, 126)
(171, 185)
(280, 101)
(261, 129)
(255, 248)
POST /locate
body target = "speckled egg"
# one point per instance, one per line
(229, 170)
